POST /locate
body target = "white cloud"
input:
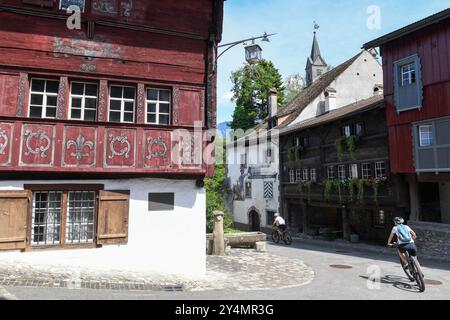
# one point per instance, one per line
(226, 97)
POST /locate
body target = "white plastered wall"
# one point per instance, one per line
(162, 242)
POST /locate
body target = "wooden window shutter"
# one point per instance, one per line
(113, 212)
(14, 206)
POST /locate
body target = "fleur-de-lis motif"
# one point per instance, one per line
(80, 144)
(122, 152)
(3, 144)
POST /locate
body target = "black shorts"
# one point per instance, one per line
(410, 247)
(282, 227)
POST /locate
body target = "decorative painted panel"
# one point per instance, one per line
(37, 146)
(6, 142)
(105, 7)
(158, 149)
(22, 96)
(120, 148)
(141, 103)
(187, 149)
(80, 147)
(103, 101)
(61, 112)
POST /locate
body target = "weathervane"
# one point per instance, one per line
(316, 27)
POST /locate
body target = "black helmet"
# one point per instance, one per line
(399, 220)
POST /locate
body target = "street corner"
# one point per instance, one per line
(251, 270)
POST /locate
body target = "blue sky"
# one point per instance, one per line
(343, 30)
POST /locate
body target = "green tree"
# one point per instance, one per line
(293, 85)
(251, 86)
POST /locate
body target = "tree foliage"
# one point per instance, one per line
(251, 86)
(293, 85)
(215, 200)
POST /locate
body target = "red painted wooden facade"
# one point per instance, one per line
(432, 44)
(141, 43)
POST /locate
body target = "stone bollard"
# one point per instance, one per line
(218, 235)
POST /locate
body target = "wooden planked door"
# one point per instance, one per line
(113, 213)
(14, 208)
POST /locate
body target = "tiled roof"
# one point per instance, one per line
(362, 105)
(307, 95)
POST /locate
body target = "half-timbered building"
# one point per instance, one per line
(103, 126)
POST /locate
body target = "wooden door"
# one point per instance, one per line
(14, 206)
(113, 212)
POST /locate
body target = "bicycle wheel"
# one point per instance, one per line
(287, 238)
(418, 275)
(407, 271)
(275, 237)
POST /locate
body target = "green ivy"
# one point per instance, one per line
(328, 187)
(339, 149)
(351, 146)
(298, 153)
(291, 155)
(305, 185)
(360, 186)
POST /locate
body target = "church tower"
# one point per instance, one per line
(316, 65)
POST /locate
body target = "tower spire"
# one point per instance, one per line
(316, 65)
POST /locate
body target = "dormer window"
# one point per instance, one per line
(65, 4)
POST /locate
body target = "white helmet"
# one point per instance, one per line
(398, 221)
(277, 215)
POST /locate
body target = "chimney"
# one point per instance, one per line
(273, 102)
(330, 100)
(378, 90)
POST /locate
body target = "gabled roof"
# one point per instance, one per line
(354, 108)
(307, 95)
(435, 18)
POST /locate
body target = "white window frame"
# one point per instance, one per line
(407, 71)
(313, 175)
(353, 171)
(292, 176)
(331, 173)
(83, 100)
(426, 137)
(341, 173)
(380, 169)
(45, 95)
(305, 175)
(366, 172)
(347, 131)
(158, 102)
(122, 104)
(298, 175)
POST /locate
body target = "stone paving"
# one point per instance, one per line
(240, 270)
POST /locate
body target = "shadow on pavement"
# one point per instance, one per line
(401, 283)
(355, 252)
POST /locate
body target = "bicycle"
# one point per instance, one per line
(278, 235)
(412, 270)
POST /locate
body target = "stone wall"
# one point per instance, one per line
(433, 240)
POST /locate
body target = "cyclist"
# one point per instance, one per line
(405, 237)
(279, 222)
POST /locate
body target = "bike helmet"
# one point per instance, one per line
(277, 215)
(399, 220)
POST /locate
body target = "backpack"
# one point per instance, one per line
(403, 234)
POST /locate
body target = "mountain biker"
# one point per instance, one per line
(279, 222)
(405, 237)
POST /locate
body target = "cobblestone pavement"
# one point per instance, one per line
(241, 270)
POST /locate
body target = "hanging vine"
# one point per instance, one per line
(351, 146)
(360, 186)
(340, 149)
(328, 187)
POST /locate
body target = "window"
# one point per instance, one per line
(366, 171)
(49, 217)
(305, 174)
(46, 219)
(313, 175)
(43, 98)
(347, 131)
(408, 87)
(80, 217)
(158, 106)
(380, 169)
(331, 174)
(270, 217)
(121, 104)
(408, 74)
(161, 201)
(341, 173)
(269, 153)
(379, 219)
(298, 175)
(359, 129)
(353, 171)
(64, 4)
(248, 190)
(426, 135)
(356, 129)
(292, 176)
(83, 101)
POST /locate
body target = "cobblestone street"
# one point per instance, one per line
(241, 270)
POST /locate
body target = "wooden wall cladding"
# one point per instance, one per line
(188, 110)
(120, 148)
(8, 94)
(37, 145)
(80, 147)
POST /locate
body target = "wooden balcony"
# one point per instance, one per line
(55, 146)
